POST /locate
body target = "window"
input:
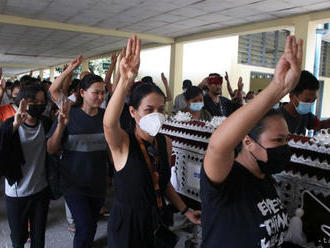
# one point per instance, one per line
(325, 59)
(262, 49)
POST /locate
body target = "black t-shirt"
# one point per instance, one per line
(224, 107)
(83, 166)
(298, 124)
(243, 211)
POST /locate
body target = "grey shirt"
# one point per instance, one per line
(180, 103)
(5, 99)
(33, 179)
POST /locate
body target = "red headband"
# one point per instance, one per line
(215, 80)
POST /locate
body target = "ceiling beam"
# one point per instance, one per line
(36, 23)
(260, 26)
(23, 66)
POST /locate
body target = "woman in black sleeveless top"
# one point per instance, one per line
(131, 222)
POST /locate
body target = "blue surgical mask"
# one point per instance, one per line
(276, 106)
(304, 107)
(196, 106)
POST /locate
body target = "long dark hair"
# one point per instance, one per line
(85, 83)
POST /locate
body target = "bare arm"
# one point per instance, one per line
(117, 76)
(54, 142)
(66, 84)
(57, 85)
(173, 196)
(239, 91)
(2, 88)
(116, 137)
(230, 90)
(167, 88)
(107, 79)
(220, 152)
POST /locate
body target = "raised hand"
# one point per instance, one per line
(226, 77)
(75, 63)
(21, 114)
(3, 84)
(288, 68)
(164, 79)
(114, 58)
(63, 115)
(240, 84)
(130, 63)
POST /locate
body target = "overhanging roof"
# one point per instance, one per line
(93, 27)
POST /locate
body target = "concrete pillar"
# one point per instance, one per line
(51, 73)
(41, 74)
(84, 65)
(176, 64)
(306, 30)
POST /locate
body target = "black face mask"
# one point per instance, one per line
(278, 159)
(36, 110)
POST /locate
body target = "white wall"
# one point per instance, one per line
(154, 61)
(201, 58)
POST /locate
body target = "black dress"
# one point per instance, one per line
(131, 217)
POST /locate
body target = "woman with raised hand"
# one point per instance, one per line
(141, 159)
(23, 163)
(241, 207)
(61, 83)
(79, 134)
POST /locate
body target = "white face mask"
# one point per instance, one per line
(152, 123)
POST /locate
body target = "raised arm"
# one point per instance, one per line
(239, 91)
(117, 76)
(167, 88)
(116, 137)
(20, 115)
(57, 85)
(112, 67)
(2, 88)
(54, 142)
(230, 90)
(220, 152)
(67, 82)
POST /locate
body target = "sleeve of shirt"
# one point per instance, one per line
(211, 191)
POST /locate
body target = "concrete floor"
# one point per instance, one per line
(58, 236)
